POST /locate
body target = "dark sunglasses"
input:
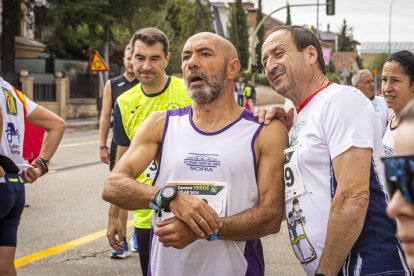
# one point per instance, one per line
(399, 174)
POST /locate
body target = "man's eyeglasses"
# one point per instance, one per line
(399, 174)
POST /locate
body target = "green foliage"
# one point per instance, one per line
(185, 18)
(239, 34)
(331, 67)
(79, 26)
(288, 19)
(260, 38)
(345, 38)
(334, 77)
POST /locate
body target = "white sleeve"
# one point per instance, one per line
(30, 106)
(349, 120)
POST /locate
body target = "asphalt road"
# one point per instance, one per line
(63, 230)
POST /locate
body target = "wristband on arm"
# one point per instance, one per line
(42, 164)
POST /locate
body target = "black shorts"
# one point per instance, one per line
(144, 240)
(12, 197)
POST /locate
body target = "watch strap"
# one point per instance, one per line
(212, 237)
(156, 203)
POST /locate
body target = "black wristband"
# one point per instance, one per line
(103, 147)
(42, 164)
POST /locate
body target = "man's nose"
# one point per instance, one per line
(193, 61)
(146, 65)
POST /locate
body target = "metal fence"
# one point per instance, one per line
(83, 84)
(44, 87)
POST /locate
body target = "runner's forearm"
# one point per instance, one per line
(345, 224)
(251, 224)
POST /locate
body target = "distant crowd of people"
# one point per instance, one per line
(208, 174)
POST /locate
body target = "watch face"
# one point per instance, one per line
(168, 192)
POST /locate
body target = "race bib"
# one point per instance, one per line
(214, 193)
(293, 181)
(151, 170)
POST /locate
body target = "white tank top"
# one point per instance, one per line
(226, 156)
(388, 138)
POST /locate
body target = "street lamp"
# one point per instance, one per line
(389, 29)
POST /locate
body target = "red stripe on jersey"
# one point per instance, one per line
(309, 98)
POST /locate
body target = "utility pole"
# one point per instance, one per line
(389, 29)
(317, 19)
(106, 53)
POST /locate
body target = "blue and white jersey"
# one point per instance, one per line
(337, 118)
(226, 156)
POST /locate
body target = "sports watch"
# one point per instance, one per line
(168, 193)
(163, 198)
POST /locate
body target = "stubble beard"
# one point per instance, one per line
(211, 91)
(148, 82)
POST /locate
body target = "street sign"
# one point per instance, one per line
(97, 63)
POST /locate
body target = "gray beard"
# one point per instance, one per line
(212, 90)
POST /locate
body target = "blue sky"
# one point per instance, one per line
(369, 18)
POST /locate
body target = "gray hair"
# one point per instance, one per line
(356, 78)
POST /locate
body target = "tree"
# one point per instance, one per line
(288, 19)
(239, 35)
(260, 37)
(185, 18)
(345, 38)
(10, 16)
(89, 24)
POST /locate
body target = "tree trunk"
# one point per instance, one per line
(10, 20)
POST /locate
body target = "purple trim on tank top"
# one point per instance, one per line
(254, 153)
(245, 115)
(253, 253)
(174, 112)
(179, 111)
(248, 115)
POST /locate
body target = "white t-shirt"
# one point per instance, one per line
(15, 107)
(334, 120)
(382, 111)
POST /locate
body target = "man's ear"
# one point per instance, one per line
(167, 57)
(311, 54)
(233, 68)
